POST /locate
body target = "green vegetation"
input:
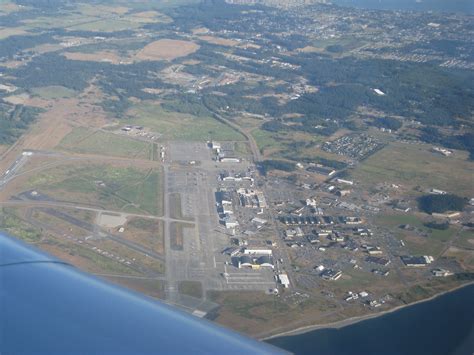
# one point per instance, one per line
(424, 240)
(179, 126)
(414, 165)
(105, 25)
(86, 141)
(121, 189)
(14, 120)
(15, 226)
(387, 122)
(268, 165)
(98, 262)
(53, 92)
(438, 226)
(190, 288)
(441, 203)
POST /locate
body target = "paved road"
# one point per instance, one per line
(248, 136)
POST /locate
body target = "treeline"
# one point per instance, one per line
(464, 141)
(441, 203)
(119, 81)
(14, 121)
(14, 44)
(387, 122)
(268, 165)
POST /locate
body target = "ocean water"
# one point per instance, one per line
(458, 6)
(444, 326)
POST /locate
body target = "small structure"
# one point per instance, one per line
(284, 280)
(248, 251)
(330, 274)
(441, 272)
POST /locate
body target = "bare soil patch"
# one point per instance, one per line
(219, 41)
(167, 49)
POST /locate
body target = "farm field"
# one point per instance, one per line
(167, 49)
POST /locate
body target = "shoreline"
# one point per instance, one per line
(357, 319)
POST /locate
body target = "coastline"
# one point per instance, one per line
(354, 320)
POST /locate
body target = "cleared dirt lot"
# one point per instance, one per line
(166, 49)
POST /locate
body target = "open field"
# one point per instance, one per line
(256, 313)
(414, 165)
(113, 188)
(432, 244)
(86, 141)
(13, 31)
(53, 92)
(105, 25)
(190, 288)
(46, 22)
(153, 288)
(99, 56)
(180, 126)
(146, 232)
(12, 224)
(219, 41)
(167, 49)
(101, 10)
(84, 258)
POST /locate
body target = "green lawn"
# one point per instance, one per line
(180, 126)
(86, 141)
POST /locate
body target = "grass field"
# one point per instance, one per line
(53, 92)
(45, 22)
(146, 232)
(179, 126)
(190, 288)
(13, 225)
(432, 244)
(113, 188)
(86, 141)
(105, 25)
(414, 165)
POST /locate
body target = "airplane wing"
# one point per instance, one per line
(49, 307)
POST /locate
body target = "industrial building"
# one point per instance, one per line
(255, 263)
(417, 261)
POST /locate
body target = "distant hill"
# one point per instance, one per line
(277, 3)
